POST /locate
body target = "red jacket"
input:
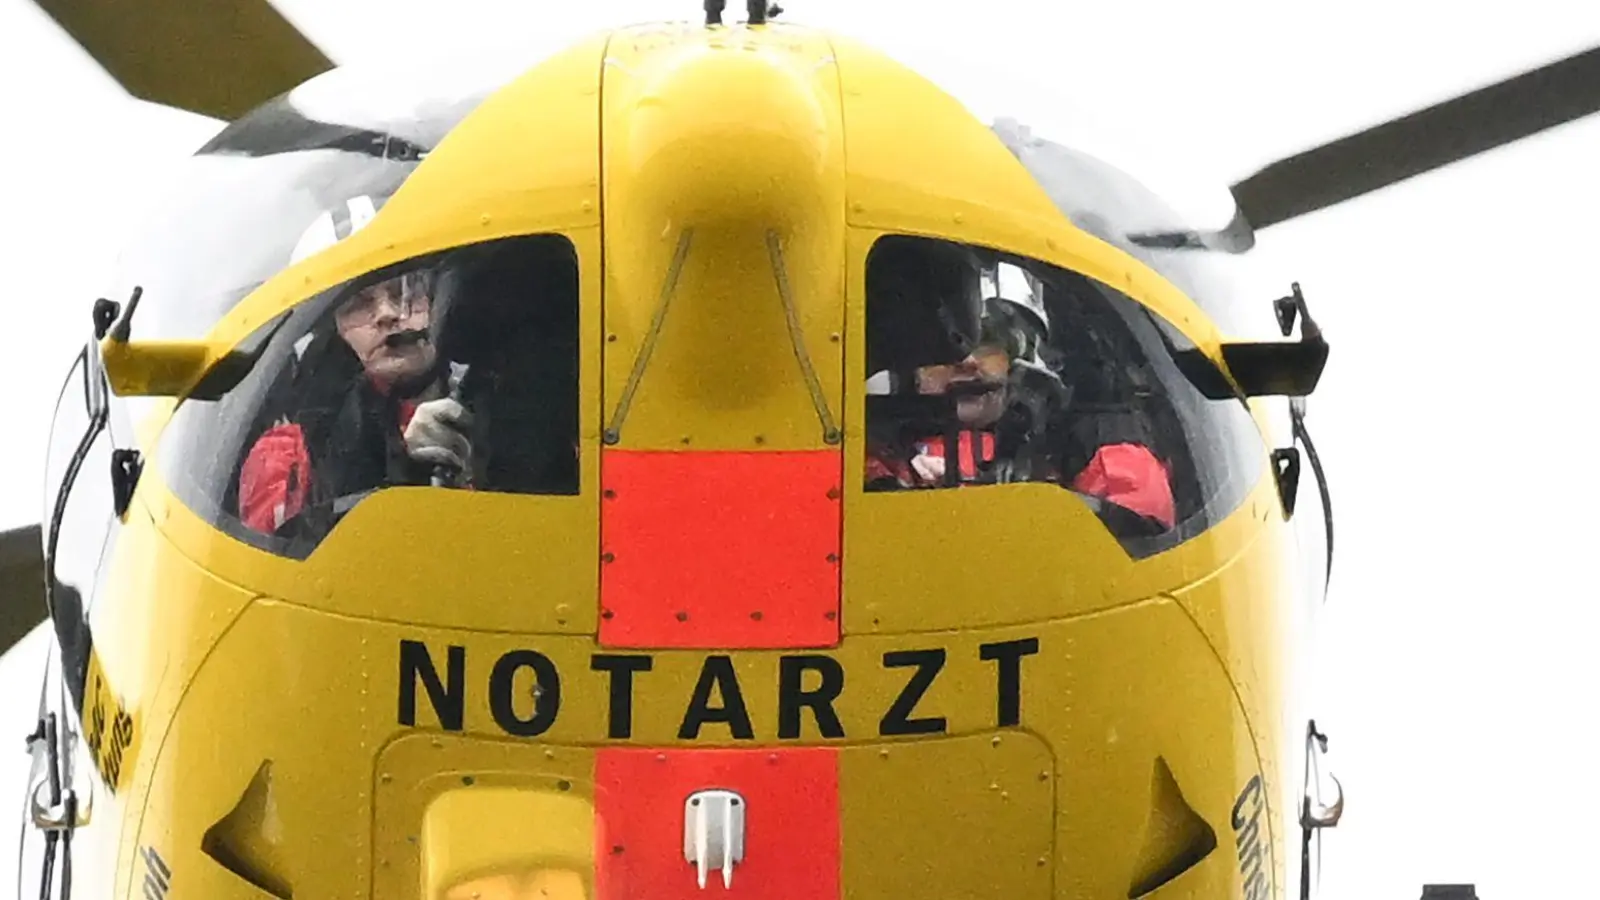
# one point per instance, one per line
(1128, 475)
(276, 477)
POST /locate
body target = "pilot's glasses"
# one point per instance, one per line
(395, 299)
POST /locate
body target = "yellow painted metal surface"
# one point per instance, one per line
(158, 622)
(991, 796)
(454, 814)
(1248, 611)
(1061, 771)
(156, 368)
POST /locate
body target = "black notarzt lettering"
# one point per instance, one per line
(717, 674)
(546, 693)
(898, 721)
(619, 721)
(808, 681)
(1008, 677)
(792, 696)
(448, 697)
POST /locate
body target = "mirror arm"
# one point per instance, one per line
(145, 368)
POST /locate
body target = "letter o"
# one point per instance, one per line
(547, 698)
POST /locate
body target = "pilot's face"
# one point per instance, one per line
(987, 364)
(371, 322)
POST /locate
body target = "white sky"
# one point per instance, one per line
(1458, 673)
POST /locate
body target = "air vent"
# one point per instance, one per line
(1176, 839)
(248, 841)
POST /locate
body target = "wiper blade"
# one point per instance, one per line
(1236, 237)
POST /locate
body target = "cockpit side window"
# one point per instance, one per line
(455, 370)
(987, 368)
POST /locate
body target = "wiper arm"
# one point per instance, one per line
(1236, 237)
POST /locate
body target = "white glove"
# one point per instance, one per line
(436, 433)
(928, 467)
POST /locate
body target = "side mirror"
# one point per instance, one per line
(146, 368)
(1265, 368)
(1276, 369)
(154, 368)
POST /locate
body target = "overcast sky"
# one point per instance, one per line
(1458, 671)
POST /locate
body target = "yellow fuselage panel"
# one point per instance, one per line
(160, 620)
(507, 711)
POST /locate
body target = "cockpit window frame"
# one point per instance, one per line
(272, 343)
(1242, 451)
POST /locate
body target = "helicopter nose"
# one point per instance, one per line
(731, 128)
(724, 206)
(724, 305)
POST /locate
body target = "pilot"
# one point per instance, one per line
(367, 407)
(1013, 410)
(979, 382)
(923, 324)
(1002, 370)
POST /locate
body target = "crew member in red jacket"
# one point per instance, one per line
(1015, 327)
(380, 416)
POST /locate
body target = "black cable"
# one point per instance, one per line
(52, 761)
(1322, 487)
(66, 847)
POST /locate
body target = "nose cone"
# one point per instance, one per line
(733, 130)
(724, 238)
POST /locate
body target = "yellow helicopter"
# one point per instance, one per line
(504, 489)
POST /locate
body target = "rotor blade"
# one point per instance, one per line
(1422, 141)
(21, 584)
(218, 58)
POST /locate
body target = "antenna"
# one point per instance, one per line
(756, 11)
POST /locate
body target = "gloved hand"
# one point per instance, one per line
(929, 468)
(437, 433)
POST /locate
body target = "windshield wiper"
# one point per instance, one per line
(1236, 237)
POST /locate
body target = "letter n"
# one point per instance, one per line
(448, 698)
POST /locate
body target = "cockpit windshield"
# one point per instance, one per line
(290, 178)
(987, 368)
(456, 369)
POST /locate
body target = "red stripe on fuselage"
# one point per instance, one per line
(720, 550)
(791, 839)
